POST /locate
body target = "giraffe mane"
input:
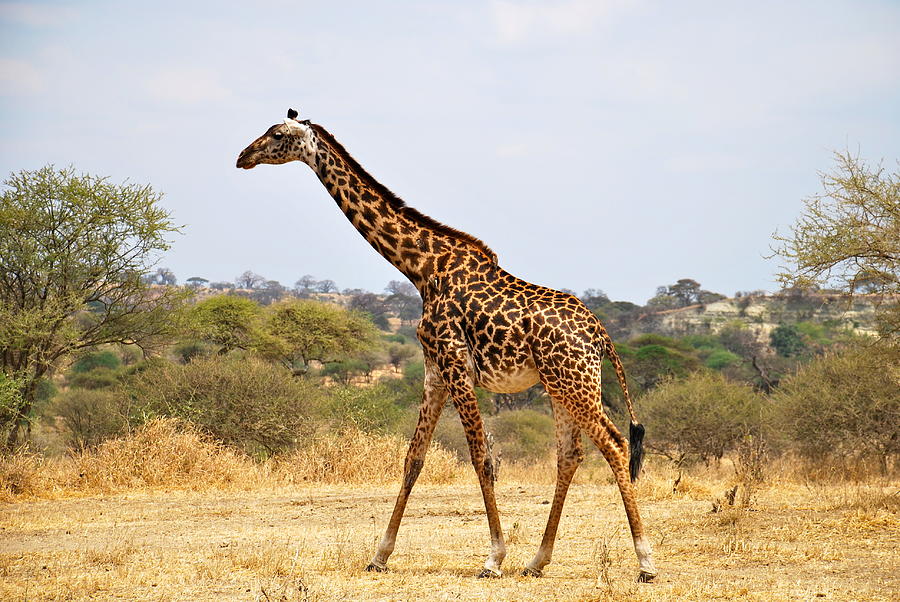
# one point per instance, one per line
(397, 203)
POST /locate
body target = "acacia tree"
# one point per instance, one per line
(302, 331)
(703, 414)
(305, 284)
(681, 294)
(162, 276)
(249, 280)
(326, 286)
(228, 321)
(844, 405)
(848, 236)
(73, 250)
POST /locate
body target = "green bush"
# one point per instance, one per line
(407, 391)
(11, 401)
(190, 350)
(702, 341)
(654, 363)
(302, 331)
(449, 433)
(97, 378)
(702, 415)
(345, 371)
(844, 404)
(658, 339)
(721, 358)
(523, 434)
(247, 402)
(227, 321)
(787, 340)
(371, 409)
(94, 360)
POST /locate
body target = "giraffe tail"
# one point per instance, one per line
(635, 429)
(636, 442)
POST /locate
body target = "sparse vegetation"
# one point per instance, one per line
(169, 509)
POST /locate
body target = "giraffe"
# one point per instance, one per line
(480, 326)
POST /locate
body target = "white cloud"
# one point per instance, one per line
(19, 78)
(185, 85)
(518, 21)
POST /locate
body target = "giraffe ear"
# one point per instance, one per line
(292, 114)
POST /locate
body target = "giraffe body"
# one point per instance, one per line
(480, 326)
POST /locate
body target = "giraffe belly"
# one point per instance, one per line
(511, 380)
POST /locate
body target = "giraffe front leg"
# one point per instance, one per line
(433, 400)
(467, 405)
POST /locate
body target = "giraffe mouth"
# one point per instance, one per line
(244, 161)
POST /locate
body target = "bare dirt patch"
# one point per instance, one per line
(311, 542)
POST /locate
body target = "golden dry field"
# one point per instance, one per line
(230, 530)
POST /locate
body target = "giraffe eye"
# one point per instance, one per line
(277, 135)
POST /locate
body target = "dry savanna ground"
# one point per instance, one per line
(216, 527)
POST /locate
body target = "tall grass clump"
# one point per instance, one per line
(24, 473)
(164, 452)
(172, 454)
(353, 456)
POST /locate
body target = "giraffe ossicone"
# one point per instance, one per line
(480, 326)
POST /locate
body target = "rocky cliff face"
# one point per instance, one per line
(763, 313)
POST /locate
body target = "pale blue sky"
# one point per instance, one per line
(611, 144)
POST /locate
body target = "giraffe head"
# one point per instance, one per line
(290, 140)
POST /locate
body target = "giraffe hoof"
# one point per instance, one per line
(646, 577)
(532, 572)
(374, 568)
(489, 574)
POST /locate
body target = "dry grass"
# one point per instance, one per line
(163, 453)
(356, 457)
(168, 454)
(168, 514)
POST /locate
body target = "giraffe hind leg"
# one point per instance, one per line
(614, 448)
(571, 375)
(569, 456)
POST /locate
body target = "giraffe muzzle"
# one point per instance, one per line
(244, 161)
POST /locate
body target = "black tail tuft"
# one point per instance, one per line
(636, 442)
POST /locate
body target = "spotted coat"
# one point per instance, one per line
(481, 326)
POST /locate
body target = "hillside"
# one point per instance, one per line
(763, 313)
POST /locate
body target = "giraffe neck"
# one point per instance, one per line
(414, 243)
